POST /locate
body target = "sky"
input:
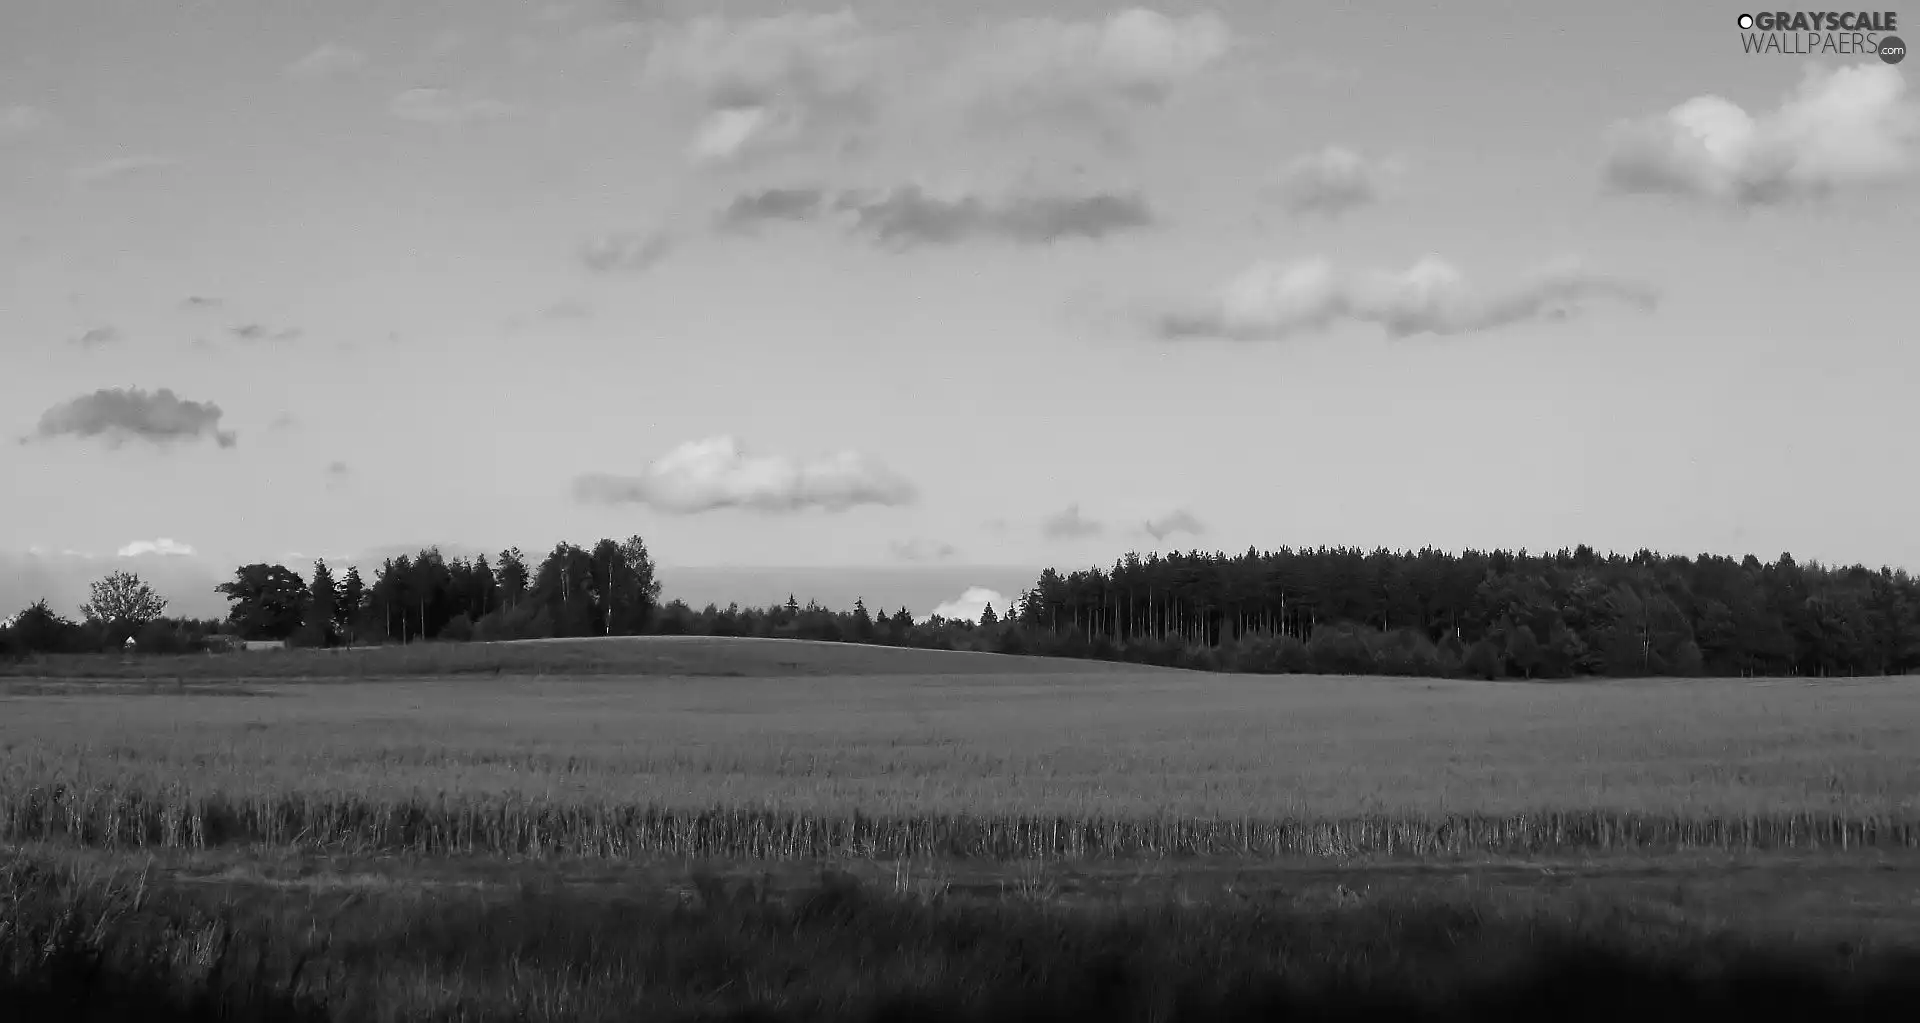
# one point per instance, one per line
(905, 286)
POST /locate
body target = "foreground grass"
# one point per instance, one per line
(99, 944)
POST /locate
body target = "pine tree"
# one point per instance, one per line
(512, 577)
(346, 613)
(323, 606)
(987, 616)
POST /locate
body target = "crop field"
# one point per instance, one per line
(620, 829)
(968, 763)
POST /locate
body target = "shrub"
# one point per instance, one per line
(1484, 660)
(459, 629)
(1340, 650)
(42, 630)
(1406, 652)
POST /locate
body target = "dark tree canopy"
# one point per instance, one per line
(269, 601)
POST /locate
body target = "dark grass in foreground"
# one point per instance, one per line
(618, 655)
(99, 946)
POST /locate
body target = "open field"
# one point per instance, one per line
(612, 655)
(417, 840)
(1009, 764)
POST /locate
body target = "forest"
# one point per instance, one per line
(1323, 610)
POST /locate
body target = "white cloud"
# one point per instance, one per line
(1272, 300)
(1134, 58)
(1848, 127)
(328, 60)
(19, 120)
(771, 84)
(164, 546)
(818, 82)
(735, 133)
(445, 107)
(716, 473)
(1332, 181)
(969, 604)
(101, 171)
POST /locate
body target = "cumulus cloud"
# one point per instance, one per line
(116, 415)
(773, 84)
(920, 550)
(1273, 300)
(1177, 521)
(115, 168)
(1098, 68)
(98, 337)
(447, 108)
(1333, 181)
(969, 605)
(328, 60)
(716, 473)
(1848, 127)
(1069, 524)
(165, 547)
(624, 251)
(18, 120)
(910, 215)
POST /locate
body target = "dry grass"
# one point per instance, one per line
(1070, 766)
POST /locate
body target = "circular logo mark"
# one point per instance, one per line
(1892, 50)
(1746, 21)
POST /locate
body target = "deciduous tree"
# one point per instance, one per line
(122, 605)
(269, 601)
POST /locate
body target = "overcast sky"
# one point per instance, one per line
(917, 282)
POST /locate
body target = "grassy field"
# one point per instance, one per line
(615, 655)
(989, 803)
(1125, 741)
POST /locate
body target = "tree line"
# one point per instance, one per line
(1324, 610)
(1571, 612)
(607, 590)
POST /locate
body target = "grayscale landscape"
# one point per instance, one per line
(647, 510)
